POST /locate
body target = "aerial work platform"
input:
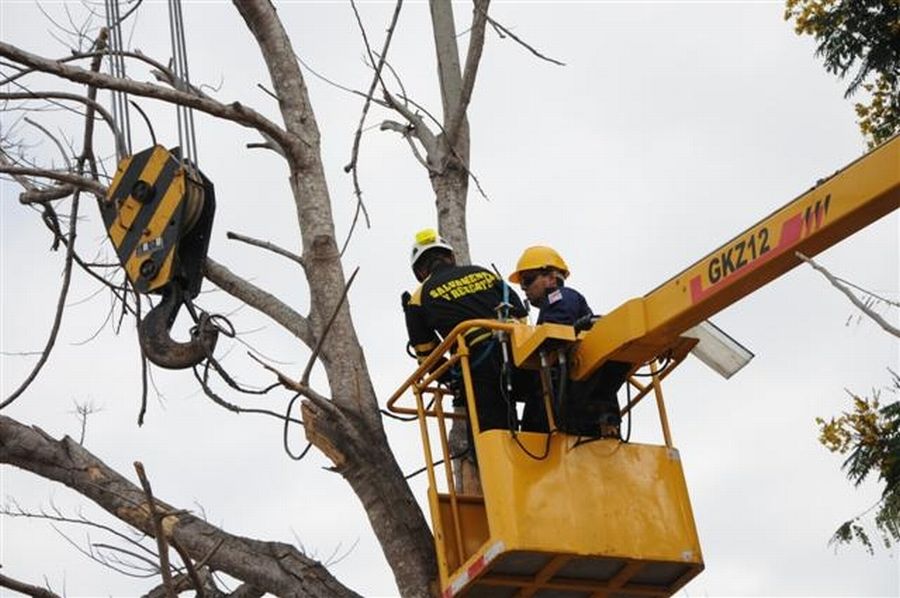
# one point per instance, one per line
(558, 514)
(599, 518)
(566, 515)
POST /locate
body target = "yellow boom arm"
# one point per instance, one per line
(643, 328)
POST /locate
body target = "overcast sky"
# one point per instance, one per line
(672, 127)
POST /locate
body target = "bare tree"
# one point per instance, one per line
(344, 422)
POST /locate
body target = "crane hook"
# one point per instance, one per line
(159, 346)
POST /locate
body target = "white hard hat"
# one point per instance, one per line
(426, 240)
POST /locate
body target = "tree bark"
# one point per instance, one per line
(349, 429)
(449, 178)
(270, 566)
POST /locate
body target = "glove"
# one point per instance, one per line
(404, 299)
(584, 323)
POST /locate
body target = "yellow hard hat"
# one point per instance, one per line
(427, 239)
(537, 257)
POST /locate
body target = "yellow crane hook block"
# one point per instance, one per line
(158, 215)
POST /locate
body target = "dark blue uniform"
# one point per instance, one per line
(588, 403)
(563, 306)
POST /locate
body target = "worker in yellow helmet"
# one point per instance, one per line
(541, 273)
(590, 407)
(450, 294)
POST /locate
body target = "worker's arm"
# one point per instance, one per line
(422, 337)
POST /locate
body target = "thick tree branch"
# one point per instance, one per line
(473, 59)
(35, 195)
(25, 588)
(260, 300)
(284, 72)
(417, 128)
(234, 112)
(88, 184)
(270, 566)
(449, 73)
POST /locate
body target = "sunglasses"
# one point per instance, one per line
(527, 280)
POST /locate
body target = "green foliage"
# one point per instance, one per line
(870, 435)
(880, 118)
(863, 35)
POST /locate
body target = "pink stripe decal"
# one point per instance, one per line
(791, 231)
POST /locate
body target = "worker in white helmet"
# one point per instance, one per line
(450, 294)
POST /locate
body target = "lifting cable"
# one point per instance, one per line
(147, 255)
(121, 117)
(187, 138)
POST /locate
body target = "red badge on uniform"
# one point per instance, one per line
(554, 296)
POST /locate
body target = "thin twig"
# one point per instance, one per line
(152, 565)
(852, 297)
(872, 294)
(83, 411)
(53, 138)
(59, 95)
(501, 30)
(136, 571)
(357, 137)
(192, 572)
(145, 368)
(19, 512)
(289, 383)
(265, 245)
(397, 80)
(209, 392)
(304, 379)
(60, 308)
(161, 543)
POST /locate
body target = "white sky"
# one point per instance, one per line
(674, 126)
